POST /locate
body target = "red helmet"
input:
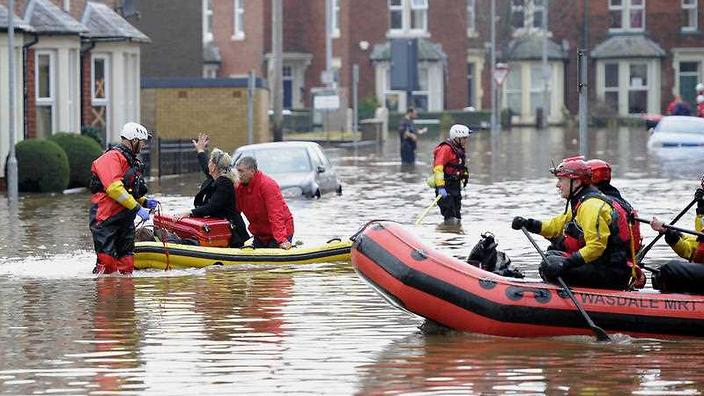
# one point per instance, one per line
(601, 171)
(576, 169)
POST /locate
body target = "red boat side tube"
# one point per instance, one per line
(463, 297)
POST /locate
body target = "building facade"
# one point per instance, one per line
(79, 67)
(641, 52)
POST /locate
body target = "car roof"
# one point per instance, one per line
(274, 145)
(683, 118)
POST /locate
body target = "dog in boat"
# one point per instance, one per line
(485, 256)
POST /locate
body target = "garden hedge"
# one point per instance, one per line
(42, 166)
(81, 151)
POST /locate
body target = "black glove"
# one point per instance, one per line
(574, 261)
(699, 195)
(552, 267)
(518, 223)
(672, 237)
(532, 225)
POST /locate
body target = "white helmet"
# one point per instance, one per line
(133, 130)
(700, 98)
(699, 87)
(459, 131)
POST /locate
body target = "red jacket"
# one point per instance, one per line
(109, 167)
(261, 202)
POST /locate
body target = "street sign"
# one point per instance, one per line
(501, 71)
(326, 102)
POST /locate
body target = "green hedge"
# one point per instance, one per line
(42, 166)
(81, 151)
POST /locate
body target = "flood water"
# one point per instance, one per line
(318, 328)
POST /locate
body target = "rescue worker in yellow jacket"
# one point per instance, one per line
(588, 248)
(679, 276)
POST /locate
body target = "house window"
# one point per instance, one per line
(527, 14)
(689, 15)
(210, 71)
(627, 15)
(238, 20)
(638, 88)
(100, 92)
(471, 82)
(688, 79)
(45, 92)
(207, 20)
(611, 85)
(471, 17)
(514, 95)
(336, 18)
(67, 5)
(420, 97)
(408, 16)
(537, 86)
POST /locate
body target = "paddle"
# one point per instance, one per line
(671, 227)
(598, 331)
(426, 210)
(642, 252)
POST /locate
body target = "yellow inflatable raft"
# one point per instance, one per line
(154, 255)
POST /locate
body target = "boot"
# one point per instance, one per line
(125, 264)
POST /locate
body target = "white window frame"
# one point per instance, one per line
(626, 8)
(425, 71)
(238, 19)
(67, 5)
(207, 17)
(617, 88)
(536, 9)
(652, 89)
(643, 88)
(49, 101)
(210, 71)
(691, 8)
(528, 9)
(106, 67)
(335, 23)
(408, 9)
(471, 18)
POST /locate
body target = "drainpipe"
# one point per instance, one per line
(83, 51)
(25, 81)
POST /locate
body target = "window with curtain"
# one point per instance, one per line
(514, 99)
(638, 88)
(627, 15)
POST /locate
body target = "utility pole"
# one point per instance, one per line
(355, 99)
(494, 128)
(546, 70)
(328, 43)
(277, 68)
(583, 87)
(12, 189)
(250, 106)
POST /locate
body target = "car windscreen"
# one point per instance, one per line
(680, 125)
(287, 160)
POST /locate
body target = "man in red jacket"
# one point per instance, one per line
(260, 199)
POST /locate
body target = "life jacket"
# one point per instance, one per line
(133, 180)
(455, 170)
(698, 256)
(619, 239)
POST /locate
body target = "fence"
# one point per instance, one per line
(176, 156)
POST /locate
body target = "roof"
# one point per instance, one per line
(530, 47)
(18, 22)
(104, 23)
(45, 17)
(628, 46)
(427, 51)
(211, 53)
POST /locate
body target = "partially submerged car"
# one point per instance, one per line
(300, 168)
(677, 131)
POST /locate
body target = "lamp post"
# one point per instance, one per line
(494, 128)
(12, 189)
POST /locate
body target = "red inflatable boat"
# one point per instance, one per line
(417, 278)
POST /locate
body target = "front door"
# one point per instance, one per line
(689, 75)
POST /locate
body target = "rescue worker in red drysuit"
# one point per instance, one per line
(118, 196)
(260, 200)
(678, 276)
(450, 173)
(601, 179)
(588, 248)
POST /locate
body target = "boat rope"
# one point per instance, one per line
(163, 239)
(354, 236)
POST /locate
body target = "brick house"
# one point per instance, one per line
(641, 51)
(79, 67)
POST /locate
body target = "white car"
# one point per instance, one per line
(677, 131)
(300, 168)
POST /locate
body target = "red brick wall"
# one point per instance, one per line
(86, 95)
(239, 56)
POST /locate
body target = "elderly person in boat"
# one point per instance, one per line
(588, 249)
(679, 276)
(216, 197)
(260, 199)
